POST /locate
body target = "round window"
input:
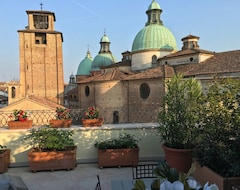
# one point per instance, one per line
(144, 90)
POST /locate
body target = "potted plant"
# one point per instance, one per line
(92, 117)
(51, 149)
(120, 151)
(218, 149)
(177, 121)
(19, 120)
(63, 118)
(171, 178)
(4, 158)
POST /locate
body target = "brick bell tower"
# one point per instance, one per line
(41, 59)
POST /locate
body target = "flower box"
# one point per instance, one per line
(92, 122)
(56, 123)
(27, 124)
(4, 160)
(204, 174)
(52, 160)
(118, 157)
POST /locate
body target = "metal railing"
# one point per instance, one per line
(42, 117)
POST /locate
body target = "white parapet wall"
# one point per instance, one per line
(85, 137)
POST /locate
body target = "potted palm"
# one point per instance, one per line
(4, 158)
(51, 149)
(120, 151)
(92, 117)
(19, 120)
(63, 118)
(217, 151)
(177, 121)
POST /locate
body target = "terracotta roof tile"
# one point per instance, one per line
(223, 62)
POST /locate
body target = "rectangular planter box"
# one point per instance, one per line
(20, 124)
(204, 174)
(52, 160)
(118, 157)
(5, 160)
(56, 123)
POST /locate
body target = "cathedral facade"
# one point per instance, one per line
(132, 90)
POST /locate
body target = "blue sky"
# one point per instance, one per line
(83, 23)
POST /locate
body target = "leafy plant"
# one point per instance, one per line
(177, 121)
(2, 148)
(122, 141)
(218, 147)
(92, 112)
(62, 113)
(19, 115)
(171, 178)
(47, 139)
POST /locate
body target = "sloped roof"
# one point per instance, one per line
(106, 76)
(186, 52)
(30, 102)
(223, 62)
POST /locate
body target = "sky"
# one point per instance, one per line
(83, 23)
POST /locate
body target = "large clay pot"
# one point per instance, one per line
(92, 122)
(204, 174)
(4, 160)
(20, 124)
(181, 159)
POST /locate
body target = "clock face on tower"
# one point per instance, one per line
(40, 21)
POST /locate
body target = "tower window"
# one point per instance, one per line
(40, 38)
(40, 21)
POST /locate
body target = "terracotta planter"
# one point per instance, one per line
(92, 122)
(205, 174)
(20, 124)
(181, 159)
(56, 123)
(118, 157)
(52, 160)
(5, 160)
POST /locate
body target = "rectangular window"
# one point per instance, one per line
(40, 38)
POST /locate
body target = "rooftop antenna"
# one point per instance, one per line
(41, 5)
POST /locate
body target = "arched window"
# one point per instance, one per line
(13, 92)
(154, 60)
(87, 91)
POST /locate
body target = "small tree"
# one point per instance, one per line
(219, 144)
(177, 120)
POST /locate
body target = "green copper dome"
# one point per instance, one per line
(154, 36)
(104, 57)
(101, 60)
(85, 65)
(154, 5)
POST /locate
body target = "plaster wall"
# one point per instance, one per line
(150, 147)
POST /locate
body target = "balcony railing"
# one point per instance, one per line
(42, 117)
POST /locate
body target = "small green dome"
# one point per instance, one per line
(154, 5)
(105, 39)
(85, 65)
(101, 60)
(154, 36)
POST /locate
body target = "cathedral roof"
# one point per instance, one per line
(105, 56)
(223, 62)
(85, 65)
(154, 35)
